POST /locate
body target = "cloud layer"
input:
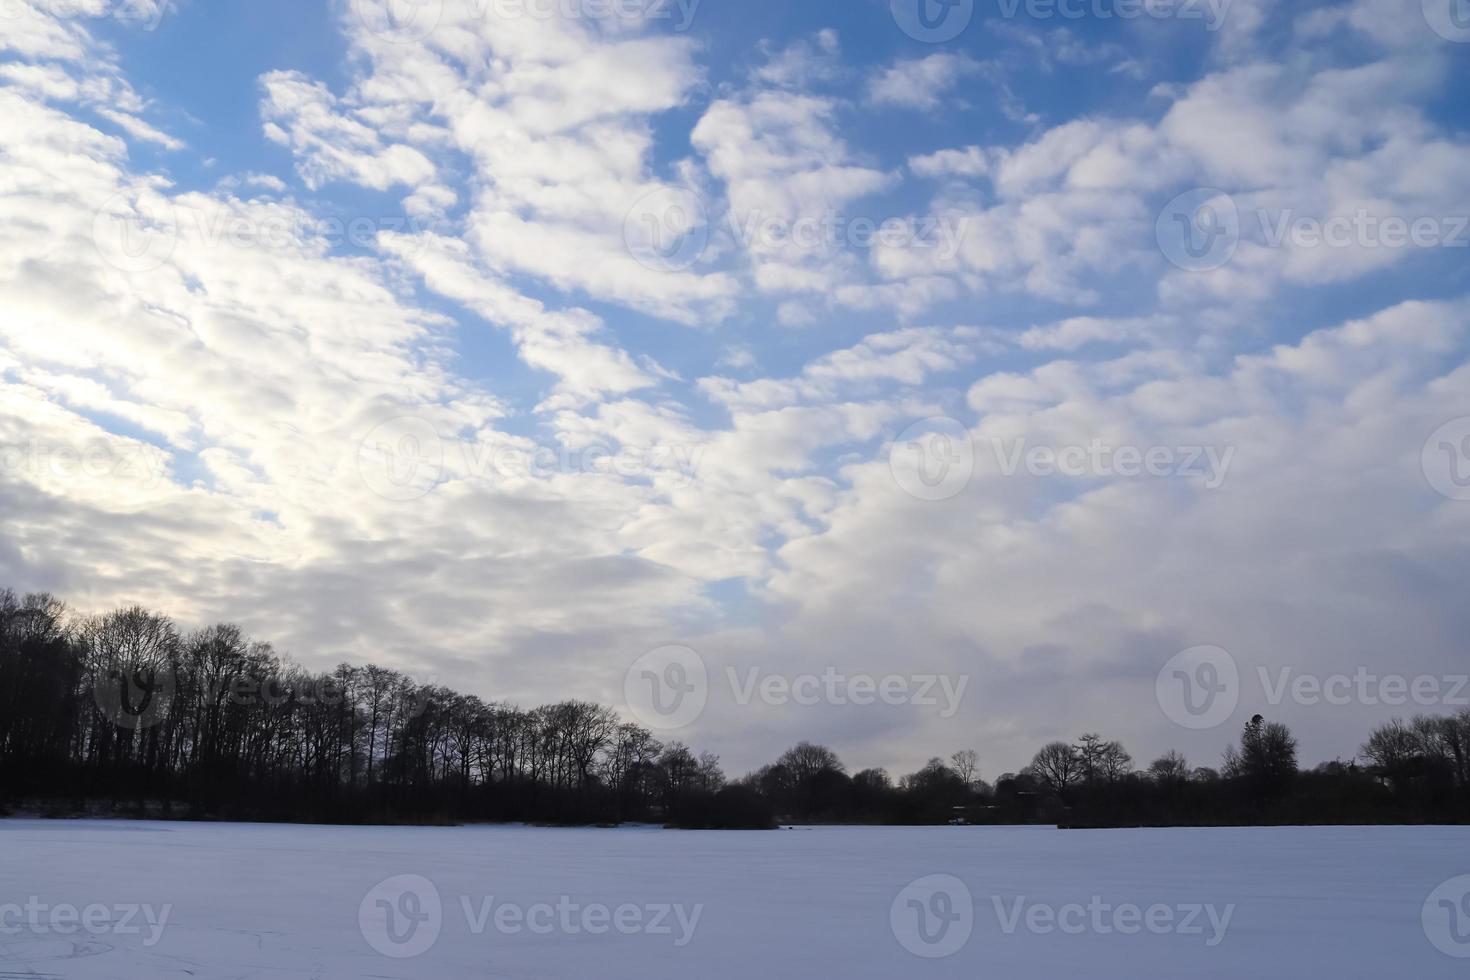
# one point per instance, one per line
(556, 339)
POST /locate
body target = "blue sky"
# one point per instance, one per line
(496, 347)
(202, 63)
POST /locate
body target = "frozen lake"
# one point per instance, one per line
(146, 901)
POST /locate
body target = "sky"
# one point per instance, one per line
(906, 377)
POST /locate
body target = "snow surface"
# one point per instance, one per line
(274, 901)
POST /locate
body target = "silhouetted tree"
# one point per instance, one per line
(966, 765)
(1058, 766)
(123, 708)
(1266, 759)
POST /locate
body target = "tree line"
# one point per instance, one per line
(124, 708)
(1414, 772)
(124, 712)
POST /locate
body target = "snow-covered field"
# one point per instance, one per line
(146, 901)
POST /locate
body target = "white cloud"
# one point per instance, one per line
(923, 82)
(331, 145)
(971, 161)
(140, 130)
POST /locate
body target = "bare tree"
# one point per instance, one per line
(1090, 748)
(1057, 765)
(805, 761)
(1114, 762)
(966, 765)
(1169, 769)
